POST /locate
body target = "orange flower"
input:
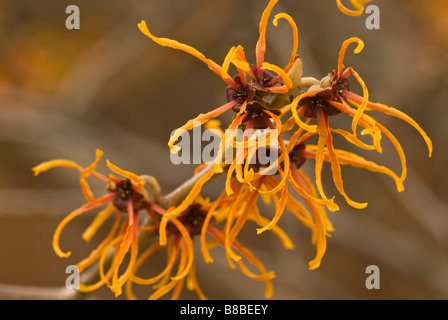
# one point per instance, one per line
(265, 91)
(124, 196)
(331, 97)
(238, 204)
(258, 103)
(197, 219)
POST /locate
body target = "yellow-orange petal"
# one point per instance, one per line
(193, 284)
(196, 122)
(171, 259)
(280, 207)
(98, 221)
(286, 80)
(127, 174)
(226, 64)
(365, 99)
(70, 217)
(353, 139)
(86, 173)
(358, 4)
(323, 137)
(104, 277)
(189, 247)
(210, 214)
(261, 43)
(295, 33)
(344, 46)
(96, 253)
(186, 48)
(279, 232)
(298, 113)
(336, 169)
(47, 165)
(295, 181)
(348, 158)
(398, 148)
(398, 114)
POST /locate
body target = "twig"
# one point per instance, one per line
(19, 292)
(178, 194)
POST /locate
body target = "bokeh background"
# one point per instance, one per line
(64, 93)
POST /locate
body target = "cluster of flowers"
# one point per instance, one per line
(262, 96)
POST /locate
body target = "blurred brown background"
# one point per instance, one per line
(64, 93)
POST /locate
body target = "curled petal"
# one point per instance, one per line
(225, 66)
(366, 121)
(321, 224)
(358, 4)
(336, 168)
(298, 113)
(242, 65)
(279, 208)
(347, 158)
(96, 253)
(206, 223)
(353, 139)
(240, 205)
(189, 247)
(73, 215)
(87, 172)
(193, 284)
(295, 180)
(199, 120)
(323, 138)
(295, 33)
(344, 46)
(261, 43)
(264, 276)
(284, 238)
(99, 220)
(172, 255)
(243, 216)
(365, 99)
(375, 133)
(165, 288)
(398, 148)
(104, 277)
(395, 113)
(129, 242)
(127, 174)
(281, 73)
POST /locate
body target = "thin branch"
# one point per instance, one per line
(178, 194)
(19, 292)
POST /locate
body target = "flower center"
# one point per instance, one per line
(296, 156)
(192, 218)
(126, 192)
(319, 102)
